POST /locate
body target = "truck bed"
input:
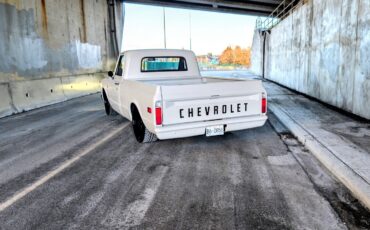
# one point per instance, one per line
(186, 95)
(189, 81)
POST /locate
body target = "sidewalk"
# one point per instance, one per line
(339, 142)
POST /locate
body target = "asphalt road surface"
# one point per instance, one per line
(68, 166)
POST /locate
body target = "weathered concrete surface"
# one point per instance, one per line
(51, 43)
(341, 143)
(20, 96)
(6, 107)
(257, 53)
(193, 183)
(82, 85)
(323, 50)
(33, 94)
(253, 179)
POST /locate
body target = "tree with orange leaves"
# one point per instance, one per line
(227, 56)
(237, 56)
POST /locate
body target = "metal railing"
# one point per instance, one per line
(284, 9)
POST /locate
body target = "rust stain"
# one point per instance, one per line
(84, 36)
(44, 18)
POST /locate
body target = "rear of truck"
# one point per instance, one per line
(178, 102)
(209, 107)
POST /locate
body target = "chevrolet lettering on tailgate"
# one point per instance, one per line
(214, 110)
(163, 94)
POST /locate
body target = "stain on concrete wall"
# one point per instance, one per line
(52, 43)
(44, 19)
(20, 47)
(40, 41)
(323, 49)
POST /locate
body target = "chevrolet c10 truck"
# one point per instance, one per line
(163, 94)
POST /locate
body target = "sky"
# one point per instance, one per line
(210, 32)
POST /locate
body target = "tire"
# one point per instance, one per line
(108, 108)
(142, 134)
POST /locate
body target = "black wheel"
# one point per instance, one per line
(108, 108)
(142, 134)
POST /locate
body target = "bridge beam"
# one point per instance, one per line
(255, 7)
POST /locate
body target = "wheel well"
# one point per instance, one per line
(134, 111)
(104, 95)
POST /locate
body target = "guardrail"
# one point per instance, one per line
(284, 9)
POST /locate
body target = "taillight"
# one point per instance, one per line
(158, 113)
(264, 104)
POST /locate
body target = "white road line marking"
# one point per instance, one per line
(60, 168)
(135, 211)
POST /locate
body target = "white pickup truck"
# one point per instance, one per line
(163, 94)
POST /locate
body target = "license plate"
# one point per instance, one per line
(215, 130)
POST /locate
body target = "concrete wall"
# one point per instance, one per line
(323, 50)
(52, 51)
(257, 53)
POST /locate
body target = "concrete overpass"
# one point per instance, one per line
(319, 48)
(55, 50)
(254, 7)
(70, 166)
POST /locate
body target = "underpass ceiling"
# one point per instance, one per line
(251, 7)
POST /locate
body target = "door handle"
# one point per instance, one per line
(116, 83)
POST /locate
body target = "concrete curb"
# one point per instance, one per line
(28, 95)
(6, 103)
(358, 186)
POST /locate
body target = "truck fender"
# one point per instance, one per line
(139, 109)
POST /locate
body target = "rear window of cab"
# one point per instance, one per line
(163, 64)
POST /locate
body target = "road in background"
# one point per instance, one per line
(259, 178)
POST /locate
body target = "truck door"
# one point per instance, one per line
(115, 84)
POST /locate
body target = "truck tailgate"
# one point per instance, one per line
(211, 101)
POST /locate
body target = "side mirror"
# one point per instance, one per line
(110, 73)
